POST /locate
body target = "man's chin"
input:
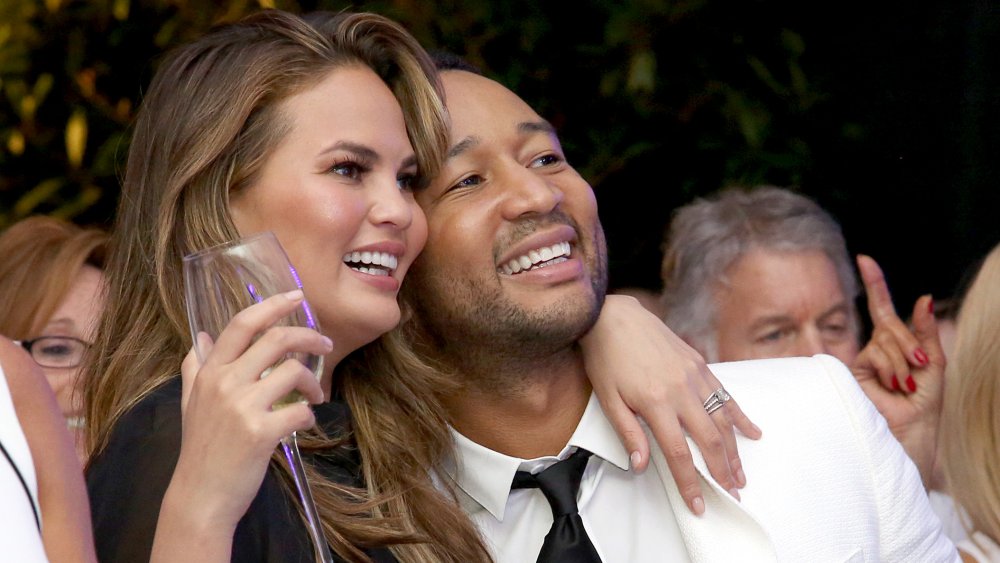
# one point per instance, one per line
(580, 292)
(558, 322)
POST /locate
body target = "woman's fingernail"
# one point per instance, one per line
(294, 295)
(204, 339)
(328, 343)
(741, 478)
(921, 356)
(911, 384)
(735, 492)
(634, 459)
(698, 506)
(895, 384)
(930, 305)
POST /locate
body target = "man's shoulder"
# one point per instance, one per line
(779, 369)
(805, 388)
(827, 455)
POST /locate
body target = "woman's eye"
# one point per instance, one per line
(351, 170)
(545, 160)
(56, 350)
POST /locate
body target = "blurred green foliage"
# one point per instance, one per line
(884, 112)
(72, 73)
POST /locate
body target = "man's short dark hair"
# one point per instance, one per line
(444, 60)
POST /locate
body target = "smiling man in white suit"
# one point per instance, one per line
(513, 275)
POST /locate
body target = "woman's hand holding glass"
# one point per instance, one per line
(257, 357)
(218, 476)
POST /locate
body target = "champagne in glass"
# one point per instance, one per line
(222, 281)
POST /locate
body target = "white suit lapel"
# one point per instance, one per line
(725, 529)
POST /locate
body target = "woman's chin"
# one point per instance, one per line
(362, 327)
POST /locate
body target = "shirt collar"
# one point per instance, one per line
(485, 475)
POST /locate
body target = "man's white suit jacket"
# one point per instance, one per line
(827, 482)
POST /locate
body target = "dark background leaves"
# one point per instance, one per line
(886, 113)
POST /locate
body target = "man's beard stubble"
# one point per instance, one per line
(494, 344)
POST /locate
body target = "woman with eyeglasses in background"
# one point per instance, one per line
(51, 295)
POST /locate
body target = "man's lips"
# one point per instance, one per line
(538, 258)
(538, 251)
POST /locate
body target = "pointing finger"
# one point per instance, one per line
(879, 300)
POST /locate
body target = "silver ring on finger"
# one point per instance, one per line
(716, 400)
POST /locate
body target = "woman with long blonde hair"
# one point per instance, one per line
(971, 417)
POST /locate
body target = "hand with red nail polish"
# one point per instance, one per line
(902, 370)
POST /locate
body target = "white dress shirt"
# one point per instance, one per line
(627, 515)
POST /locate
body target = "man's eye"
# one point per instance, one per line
(835, 329)
(468, 182)
(409, 182)
(545, 160)
(773, 336)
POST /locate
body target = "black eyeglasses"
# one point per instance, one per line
(56, 351)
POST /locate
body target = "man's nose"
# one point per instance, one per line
(527, 192)
(809, 343)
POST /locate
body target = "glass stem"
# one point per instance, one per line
(320, 547)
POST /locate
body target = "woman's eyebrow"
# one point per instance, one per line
(360, 150)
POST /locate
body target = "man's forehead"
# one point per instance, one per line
(770, 283)
(524, 128)
(474, 100)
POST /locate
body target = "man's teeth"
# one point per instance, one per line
(538, 258)
(374, 263)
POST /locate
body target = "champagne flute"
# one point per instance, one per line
(220, 282)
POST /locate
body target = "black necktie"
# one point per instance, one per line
(567, 540)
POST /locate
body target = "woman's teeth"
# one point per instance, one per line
(374, 263)
(538, 258)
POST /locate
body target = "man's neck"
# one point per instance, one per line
(535, 417)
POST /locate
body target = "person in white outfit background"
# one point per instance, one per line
(44, 502)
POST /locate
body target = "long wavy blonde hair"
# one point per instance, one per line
(209, 120)
(970, 426)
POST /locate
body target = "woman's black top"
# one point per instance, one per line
(127, 480)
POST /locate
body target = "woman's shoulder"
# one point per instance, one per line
(148, 434)
(153, 423)
(129, 476)
(160, 408)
